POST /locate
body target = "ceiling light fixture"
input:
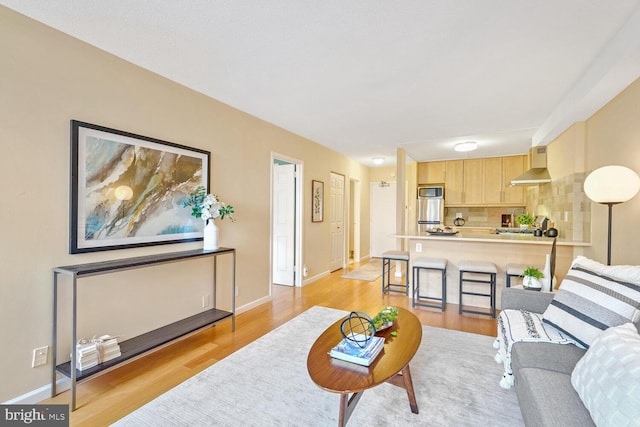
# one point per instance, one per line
(378, 160)
(466, 146)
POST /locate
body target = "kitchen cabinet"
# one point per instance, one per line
(477, 182)
(454, 183)
(513, 166)
(473, 182)
(431, 172)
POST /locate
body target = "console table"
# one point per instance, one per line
(141, 344)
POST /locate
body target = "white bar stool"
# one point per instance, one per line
(400, 256)
(424, 263)
(475, 269)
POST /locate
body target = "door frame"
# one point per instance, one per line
(354, 211)
(297, 279)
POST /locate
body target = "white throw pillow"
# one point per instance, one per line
(628, 273)
(607, 378)
(589, 302)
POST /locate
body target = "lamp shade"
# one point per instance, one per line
(612, 184)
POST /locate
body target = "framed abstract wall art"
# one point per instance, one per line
(126, 189)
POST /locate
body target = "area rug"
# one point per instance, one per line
(266, 383)
(369, 272)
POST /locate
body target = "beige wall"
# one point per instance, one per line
(613, 138)
(610, 137)
(48, 78)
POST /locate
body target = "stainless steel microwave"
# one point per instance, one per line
(431, 192)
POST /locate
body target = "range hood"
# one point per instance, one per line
(537, 173)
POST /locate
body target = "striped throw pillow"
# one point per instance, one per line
(587, 303)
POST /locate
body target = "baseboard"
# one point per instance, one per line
(316, 277)
(253, 304)
(38, 395)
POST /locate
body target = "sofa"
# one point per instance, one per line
(542, 371)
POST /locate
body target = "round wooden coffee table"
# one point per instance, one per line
(392, 365)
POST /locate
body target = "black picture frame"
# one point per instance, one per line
(126, 189)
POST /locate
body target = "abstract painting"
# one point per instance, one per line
(126, 189)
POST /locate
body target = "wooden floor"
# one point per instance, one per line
(109, 397)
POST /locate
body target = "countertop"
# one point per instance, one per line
(494, 238)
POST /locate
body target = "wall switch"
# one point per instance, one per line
(205, 301)
(237, 291)
(418, 247)
(39, 356)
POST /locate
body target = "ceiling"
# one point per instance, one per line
(367, 77)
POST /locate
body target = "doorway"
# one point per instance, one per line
(336, 218)
(383, 217)
(286, 214)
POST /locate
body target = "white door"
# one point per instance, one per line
(284, 223)
(337, 221)
(383, 218)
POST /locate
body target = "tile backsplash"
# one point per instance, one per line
(480, 216)
(563, 201)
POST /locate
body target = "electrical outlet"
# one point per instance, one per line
(205, 301)
(458, 215)
(39, 356)
(418, 247)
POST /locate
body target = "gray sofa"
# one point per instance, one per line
(542, 371)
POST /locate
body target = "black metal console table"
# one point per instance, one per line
(140, 344)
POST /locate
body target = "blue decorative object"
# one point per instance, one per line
(357, 328)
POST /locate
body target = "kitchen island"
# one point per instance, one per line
(501, 249)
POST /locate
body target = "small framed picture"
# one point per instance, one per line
(317, 201)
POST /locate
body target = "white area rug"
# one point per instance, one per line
(266, 383)
(369, 272)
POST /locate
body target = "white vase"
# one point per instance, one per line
(210, 236)
(547, 279)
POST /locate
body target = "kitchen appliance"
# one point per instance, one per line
(537, 173)
(515, 230)
(542, 222)
(430, 208)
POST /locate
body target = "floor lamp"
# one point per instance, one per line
(611, 185)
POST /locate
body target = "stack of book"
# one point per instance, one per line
(86, 355)
(108, 348)
(349, 351)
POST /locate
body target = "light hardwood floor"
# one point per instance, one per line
(109, 397)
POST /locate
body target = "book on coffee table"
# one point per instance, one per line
(349, 351)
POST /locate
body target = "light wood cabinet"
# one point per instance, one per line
(473, 182)
(477, 182)
(493, 180)
(513, 166)
(454, 183)
(431, 172)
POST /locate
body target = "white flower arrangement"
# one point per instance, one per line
(207, 206)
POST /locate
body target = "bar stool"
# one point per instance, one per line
(424, 263)
(475, 269)
(514, 270)
(400, 256)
